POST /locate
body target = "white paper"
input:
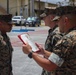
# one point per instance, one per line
(26, 38)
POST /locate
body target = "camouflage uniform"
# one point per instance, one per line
(52, 38)
(5, 55)
(66, 49)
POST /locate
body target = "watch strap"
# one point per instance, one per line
(30, 54)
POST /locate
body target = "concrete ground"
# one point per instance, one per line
(22, 65)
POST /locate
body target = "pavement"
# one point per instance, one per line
(22, 65)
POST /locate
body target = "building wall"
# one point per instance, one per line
(22, 7)
(72, 2)
(3, 6)
(13, 7)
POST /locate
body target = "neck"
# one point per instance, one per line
(3, 32)
(70, 29)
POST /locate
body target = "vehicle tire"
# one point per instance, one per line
(20, 23)
(33, 25)
(38, 25)
(17, 24)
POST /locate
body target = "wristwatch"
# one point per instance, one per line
(30, 54)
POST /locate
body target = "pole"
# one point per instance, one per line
(7, 6)
(29, 7)
(32, 8)
(39, 9)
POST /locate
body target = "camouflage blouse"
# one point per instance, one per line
(66, 49)
(5, 55)
(53, 36)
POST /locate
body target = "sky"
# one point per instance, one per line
(54, 1)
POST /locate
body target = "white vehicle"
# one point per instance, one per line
(18, 20)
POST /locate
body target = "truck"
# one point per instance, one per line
(18, 20)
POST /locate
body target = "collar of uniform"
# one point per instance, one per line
(49, 31)
(55, 27)
(74, 28)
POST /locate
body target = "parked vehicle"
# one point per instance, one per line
(18, 20)
(28, 21)
(33, 21)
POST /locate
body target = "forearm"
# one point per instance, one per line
(47, 53)
(44, 63)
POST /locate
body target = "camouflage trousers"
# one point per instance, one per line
(5, 71)
(44, 72)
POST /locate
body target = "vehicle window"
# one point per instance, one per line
(22, 18)
(16, 17)
(29, 18)
(33, 18)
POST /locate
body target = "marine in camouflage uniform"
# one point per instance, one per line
(53, 36)
(5, 54)
(66, 49)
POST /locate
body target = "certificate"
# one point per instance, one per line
(25, 38)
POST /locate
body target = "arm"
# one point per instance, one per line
(43, 62)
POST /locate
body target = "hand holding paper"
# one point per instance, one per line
(26, 38)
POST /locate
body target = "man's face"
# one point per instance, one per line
(61, 24)
(48, 20)
(52, 23)
(5, 27)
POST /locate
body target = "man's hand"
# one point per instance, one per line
(26, 48)
(41, 50)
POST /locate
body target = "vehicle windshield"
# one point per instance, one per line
(29, 18)
(33, 18)
(16, 17)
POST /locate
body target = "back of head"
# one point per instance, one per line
(6, 17)
(69, 14)
(5, 23)
(64, 10)
(69, 11)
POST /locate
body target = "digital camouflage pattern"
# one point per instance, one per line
(66, 49)
(52, 38)
(5, 55)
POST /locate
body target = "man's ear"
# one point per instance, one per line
(65, 20)
(0, 23)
